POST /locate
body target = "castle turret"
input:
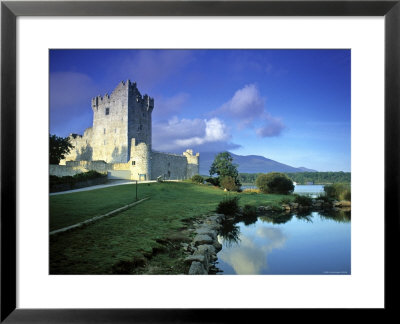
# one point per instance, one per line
(192, 163)
(140, 161)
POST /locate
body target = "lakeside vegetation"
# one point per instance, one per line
(304, 177)
(126, 242)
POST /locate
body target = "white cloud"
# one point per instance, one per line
(215, 131)
(245, 105)
(178, 134)
(247, 108)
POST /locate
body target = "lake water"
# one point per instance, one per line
(310, 190)
(292, 244)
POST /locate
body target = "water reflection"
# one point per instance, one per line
(287, 243)
(276, 218)
(229, 233)
(340, 216)
(250, 257)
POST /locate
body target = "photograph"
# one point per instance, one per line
(200, 161)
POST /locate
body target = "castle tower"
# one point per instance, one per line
(117, 118)
(140, 109)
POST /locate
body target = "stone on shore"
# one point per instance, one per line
(202, 239)
(197, 268)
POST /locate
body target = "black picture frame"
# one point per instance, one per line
(10, 10)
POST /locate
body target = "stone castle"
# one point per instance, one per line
(120, 141)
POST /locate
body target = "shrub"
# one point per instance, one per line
(229, 183)
(303, 200)
(286, 201)
(249, 211)
(275, 182)
(228, 206)
(87, 175)
(251, 190)
(71, 180)
(213, 181)
(324, 198)
(339, 191)
(197, 179)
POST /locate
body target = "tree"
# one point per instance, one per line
(223, 167)
(229, 183)
(58, 148)
(275, 182)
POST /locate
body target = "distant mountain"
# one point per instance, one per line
(249, 164)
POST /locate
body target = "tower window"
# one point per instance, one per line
(133, 163)
(107, 111)
(104, 130)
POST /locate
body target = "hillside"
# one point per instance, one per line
(250, 164)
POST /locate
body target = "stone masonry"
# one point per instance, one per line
(121, 139)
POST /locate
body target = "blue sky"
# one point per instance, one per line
(292, 106)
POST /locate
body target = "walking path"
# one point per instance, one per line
(112, 183)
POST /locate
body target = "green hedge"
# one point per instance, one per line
(71, 180)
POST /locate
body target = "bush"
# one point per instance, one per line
(87, 175)
(71, 180)
(275, 182)
(303, 200)
(197, 179)
(229, 183)
(228, 206)
(324, 198)
(339, 191)
(249, 211)
(286, 201)
(213, 181)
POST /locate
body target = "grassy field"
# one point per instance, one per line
(127, 241)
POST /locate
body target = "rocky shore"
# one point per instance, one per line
(316, 204)
(202, 251)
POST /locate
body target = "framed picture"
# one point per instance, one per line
(215, 31)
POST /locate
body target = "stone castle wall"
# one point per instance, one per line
(168, 166)
(63, 170)
(120, 139)
(110, 126)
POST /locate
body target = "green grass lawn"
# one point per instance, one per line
(102, 247)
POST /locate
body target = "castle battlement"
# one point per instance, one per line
(124, 86)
